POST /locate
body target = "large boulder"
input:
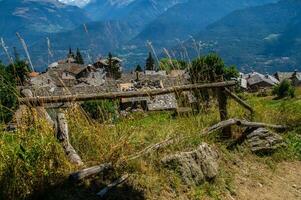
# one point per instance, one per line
(262, 140)
(194, 167)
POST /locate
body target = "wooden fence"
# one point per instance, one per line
(61, 127)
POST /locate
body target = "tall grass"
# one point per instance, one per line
(32, 160)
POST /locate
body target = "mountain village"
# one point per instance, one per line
(67, 77)
(167, 100)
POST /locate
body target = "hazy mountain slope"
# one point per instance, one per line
(265, 38)
(138, 12)
(101, 38)
(179, 22)
(191, 17)
(34, 18)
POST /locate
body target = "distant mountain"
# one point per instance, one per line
(188, 18)
(259, 37)
(33, 18)
(180, 22)
(101, 38)
(137, 12)
(265, 38)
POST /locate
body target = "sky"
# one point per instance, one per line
(76, 2)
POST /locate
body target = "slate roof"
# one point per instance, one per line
(256, 78)
(287, 75)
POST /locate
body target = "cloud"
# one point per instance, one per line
(79, 3)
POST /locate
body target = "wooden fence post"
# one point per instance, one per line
(63, 137)
(223, 111)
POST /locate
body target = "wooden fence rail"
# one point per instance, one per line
(38, 101)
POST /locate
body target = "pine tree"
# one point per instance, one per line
(138, 69)
(70, 54)
(113, 68)
(150, 63)
(78, 58)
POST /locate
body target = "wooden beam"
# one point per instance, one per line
(36, 101)
(244, 123)
(222, 106)
(63, 137)
(239, 100)
(41, 111)
(77, 176)
(119, 181)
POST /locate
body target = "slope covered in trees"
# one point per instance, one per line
(263, 38)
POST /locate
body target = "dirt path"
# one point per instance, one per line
(259, 182)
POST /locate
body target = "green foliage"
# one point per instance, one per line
(209, 68)
(150, 63)
(284, 89)
(138, 68)
(19, 71)
(31, 160)
(170, 64)
(8, 95)
(101, 110)
(10, 76)
(294, 143)
(78, 58)
(230, 73)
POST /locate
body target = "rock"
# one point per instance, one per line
(262, 140)
(194, 167)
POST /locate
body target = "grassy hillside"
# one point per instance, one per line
(33, 164)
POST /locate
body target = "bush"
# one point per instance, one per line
(8, 95)
(101, 110)
(284, 89)
(211, 68)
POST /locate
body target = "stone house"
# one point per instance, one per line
(257, 81)
(294, 77)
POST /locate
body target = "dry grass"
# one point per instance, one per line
(33, 160)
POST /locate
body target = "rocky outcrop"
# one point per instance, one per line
(194, 167)
(262, 140)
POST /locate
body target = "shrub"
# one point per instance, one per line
(101, 110)
(8, 95)
(284, 89)
(211, 68)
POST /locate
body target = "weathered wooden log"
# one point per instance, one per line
(41, 111)
(36, 101)
(77, 176)
(63, 136)
(119, 181)
(222, 106)
(239, 100)
(238, 122)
